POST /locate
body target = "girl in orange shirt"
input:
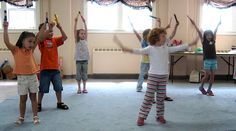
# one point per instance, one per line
(25, 69)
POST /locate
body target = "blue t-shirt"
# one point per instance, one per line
(144, 43)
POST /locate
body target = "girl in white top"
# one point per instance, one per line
(158, 53)
(81, 54)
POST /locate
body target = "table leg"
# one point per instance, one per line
(171, 68)
(229, 60)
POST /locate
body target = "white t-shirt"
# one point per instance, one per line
(81, 51)
(159, 57)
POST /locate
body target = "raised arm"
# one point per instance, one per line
(6, 37)
(158, 20)
(85, 26)
(64, 36)
(75, 29)
(197, 29)
(40, 37)
(168, 26)
(175, 29)
(135, 32)
(217, 29)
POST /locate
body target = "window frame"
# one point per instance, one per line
(36, 17)
(227, 33)
(120, 16)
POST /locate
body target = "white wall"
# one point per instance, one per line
(67, 10)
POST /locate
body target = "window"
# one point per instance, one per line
(116, 17)
(20, 17)
(211, 17)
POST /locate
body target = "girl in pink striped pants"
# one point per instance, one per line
(158, 53)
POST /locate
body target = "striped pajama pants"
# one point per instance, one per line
(155, 83)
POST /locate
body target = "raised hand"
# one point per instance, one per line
(168, 26)
(5, 25)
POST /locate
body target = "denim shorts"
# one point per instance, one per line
(210, 64)
(81, 70)
(47, 76)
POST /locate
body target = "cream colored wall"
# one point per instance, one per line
(67, 10)
(186, 32)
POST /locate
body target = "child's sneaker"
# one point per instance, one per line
(210, 93)
(161, 119)
(140, 121)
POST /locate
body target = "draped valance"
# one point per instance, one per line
(221, 3)
(136, 4)
(26, 3)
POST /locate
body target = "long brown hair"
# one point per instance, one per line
(23, 36)
(78, 31)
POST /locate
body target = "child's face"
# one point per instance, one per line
(29, 42)
(162, 39)
(209, 37)
(49, 33)
(82, 34)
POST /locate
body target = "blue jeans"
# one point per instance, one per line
(47, 76)
(143, 71)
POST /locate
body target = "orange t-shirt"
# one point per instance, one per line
(24, 61)
(49, 53)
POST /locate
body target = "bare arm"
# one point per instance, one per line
(136, 33)
(168, 26)
(216, 29)
(158, 22)
(85, 26)
(174, 31)
(64, 36)
(75, 28)
(6, 37)
(40, 36)
(197, 29)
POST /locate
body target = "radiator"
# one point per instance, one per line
(114, 61)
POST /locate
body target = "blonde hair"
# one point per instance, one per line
(154, 35)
